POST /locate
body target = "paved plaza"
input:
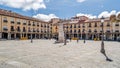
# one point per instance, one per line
(46, 54)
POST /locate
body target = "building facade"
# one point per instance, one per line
(16, 26)
(90, 29)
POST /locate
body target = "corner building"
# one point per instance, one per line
(84, 28)
(16, 26)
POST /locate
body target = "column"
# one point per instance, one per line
(9, 36)
(14, 36)
(98, 36)
(86, 35)
(39, 36)
(92, 36)
(35, 36)
(81, 35)
(21, 36)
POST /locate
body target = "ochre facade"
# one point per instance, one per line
(16, 26)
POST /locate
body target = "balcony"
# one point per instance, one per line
(38, 31)
(78, 31)
(5, 21)
(29, 30)
(74, 26)
(24, 23)
(83, 26)
(95, 26)
(117, 31)
(34, 31)
(29, 24)
(24, 30)
(5, 29)
(89, 26)
(18, 30)
(41, 25)
(12, 22)
(12, 30)
(108, 25)
(33, 24)
(95, 31)
(116, 24)
(38, 25)
(18, 23)
(89, 31)
(108, 31)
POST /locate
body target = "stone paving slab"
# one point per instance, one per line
(46, 54)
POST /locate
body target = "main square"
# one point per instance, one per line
(59, 34)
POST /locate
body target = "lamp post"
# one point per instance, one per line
(102, 42)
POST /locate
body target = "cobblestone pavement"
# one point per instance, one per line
(46, 54)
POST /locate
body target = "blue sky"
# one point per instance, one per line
(61, 8)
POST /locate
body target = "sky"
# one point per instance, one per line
(47, 9)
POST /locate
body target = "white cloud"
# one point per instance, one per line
(80, 1)
(45, 17)
(24, 4)
(106, 13)
(87, 15)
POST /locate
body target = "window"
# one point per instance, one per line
(79, 31)
(12, 20)
(18, 21)
(5, 28)
(89, 30)
(33, 23)
(24, 22)
(29, 29)
(12, 28)
(75, 26)
(5, 19)
(24, 30)
(34, 30)
(38, 24)
(83, 25)
(89, 25)
(108, 24)
(95, 30)
(29, 23)
(95, 24)
(18, 29)
(75, 31)
(37, 30)
(78, 26)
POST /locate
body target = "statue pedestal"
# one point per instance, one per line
(61, 38)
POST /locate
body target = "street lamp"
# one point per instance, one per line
(102, 42)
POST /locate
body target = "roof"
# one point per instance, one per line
(13, 14)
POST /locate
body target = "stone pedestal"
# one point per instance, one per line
(61, 38)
